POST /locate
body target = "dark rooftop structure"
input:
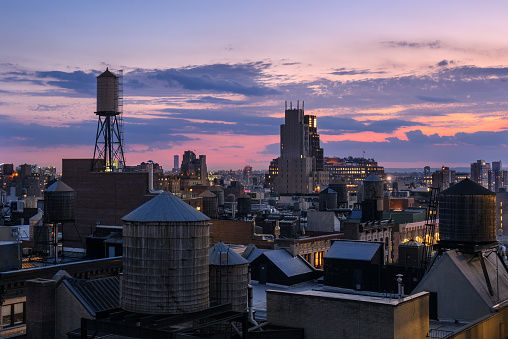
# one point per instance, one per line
(355, 250)
(279, 267)
(354, 265)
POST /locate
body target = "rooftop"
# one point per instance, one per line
(165, 207)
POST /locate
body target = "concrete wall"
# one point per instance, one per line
(451, 286)
(490, 326)
(69, 311)
(340, 316)
(322, 221)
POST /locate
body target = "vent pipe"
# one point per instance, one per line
(401, 286)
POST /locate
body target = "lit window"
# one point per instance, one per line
(13, 315)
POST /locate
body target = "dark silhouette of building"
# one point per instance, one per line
(102, 198)
(297, 170)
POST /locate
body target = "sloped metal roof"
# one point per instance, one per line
(372, 177)
(352, 250)
(411, 242)
(207, 194)
(220, 254)
(253, 254)
(59, 186)
(165, 207)
(289, 265)
(467, 187)
(98, 294)
(328, 190)
(107, 73)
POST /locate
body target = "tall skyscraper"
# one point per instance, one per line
(497, 177)
(480, 172)
(176, 163)
(316, 151)
(247, 175)
(297, 169)
(194, 169)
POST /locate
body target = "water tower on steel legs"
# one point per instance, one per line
(108, 153)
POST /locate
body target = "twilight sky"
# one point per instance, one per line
(409, 83)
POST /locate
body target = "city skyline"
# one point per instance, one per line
(408, 90)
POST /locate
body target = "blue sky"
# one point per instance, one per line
(410, 84)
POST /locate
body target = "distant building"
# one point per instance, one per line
(480, 172)
(426, 171)
(193, 170)
(102, 198)
(497, 177)
(352, 170)
(443, 178)
(176, 164)
(316, 151)
(298, 171)
(247, 175)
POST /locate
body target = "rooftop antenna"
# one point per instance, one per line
(303, 104)
(285, 105)
(297, 104)
(290, 105)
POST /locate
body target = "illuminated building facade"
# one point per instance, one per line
(316, 151)
(497, 177)
(480, 172)
(352, 170)
(193, 170)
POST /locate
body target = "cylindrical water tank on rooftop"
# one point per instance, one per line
(467, 214)
(327, 199)
(373, 188)
(59, 203)
(229, 276)
(165, 258)
(107, 92)
(341, 189)
(244, 205)
(219, 192)
(210, 204)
